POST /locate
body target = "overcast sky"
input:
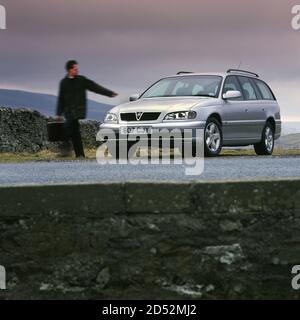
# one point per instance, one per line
(126, 45)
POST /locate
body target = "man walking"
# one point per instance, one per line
(72, 103)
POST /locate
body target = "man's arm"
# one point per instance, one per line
(60, 101)
(94, 87)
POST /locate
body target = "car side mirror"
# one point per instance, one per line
(230, 94)
(134, 97)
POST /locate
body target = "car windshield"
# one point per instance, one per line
(207, 86)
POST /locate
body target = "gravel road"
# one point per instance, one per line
(220, 168)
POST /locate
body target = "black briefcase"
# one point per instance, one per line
(55, 131)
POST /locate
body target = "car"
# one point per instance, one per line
(234, 108)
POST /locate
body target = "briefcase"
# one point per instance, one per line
(55, 131)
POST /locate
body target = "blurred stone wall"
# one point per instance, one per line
(24, 130)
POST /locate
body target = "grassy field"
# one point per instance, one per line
(44, 155)
(47, 155)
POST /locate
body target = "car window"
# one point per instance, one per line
(247, 88)
(197, 85)
(231, 83)
(160, 91)
(197, 88)
(265, 91)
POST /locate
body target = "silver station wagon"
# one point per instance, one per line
(235, 108)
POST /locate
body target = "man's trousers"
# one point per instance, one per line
(72, 132)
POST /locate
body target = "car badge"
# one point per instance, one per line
(138, 115)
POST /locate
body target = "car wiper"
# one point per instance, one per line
(160, 96)
(152, 97)
(204, 95)
(193, 95)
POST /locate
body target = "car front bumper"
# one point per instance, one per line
(186, 128)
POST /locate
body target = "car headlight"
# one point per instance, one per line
(111, 117)
(181, 115)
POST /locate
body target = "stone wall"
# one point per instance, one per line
(151, 240)
(24, 130)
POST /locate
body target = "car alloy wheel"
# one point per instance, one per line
(269, 139)
(266, 145)
(212, 137)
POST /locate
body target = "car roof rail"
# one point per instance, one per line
(182, 72)
(243, 71)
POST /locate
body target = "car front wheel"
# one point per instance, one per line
(213, 138)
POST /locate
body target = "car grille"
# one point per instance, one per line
(146, 116)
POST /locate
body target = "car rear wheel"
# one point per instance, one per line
(266, 145)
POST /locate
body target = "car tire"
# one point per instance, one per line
(213, 138)
(266, 145)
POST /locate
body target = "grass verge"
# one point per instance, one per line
(47, 155)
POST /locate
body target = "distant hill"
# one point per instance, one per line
(290, 141)
(46, 103)
(289, 127)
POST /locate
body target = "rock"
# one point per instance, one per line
(231, 225)
(45, 287)
(189, 290)
(210, 288)
(103, 278)
(225, 254)
(153, 251)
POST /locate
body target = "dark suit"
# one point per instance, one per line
(72, 103)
